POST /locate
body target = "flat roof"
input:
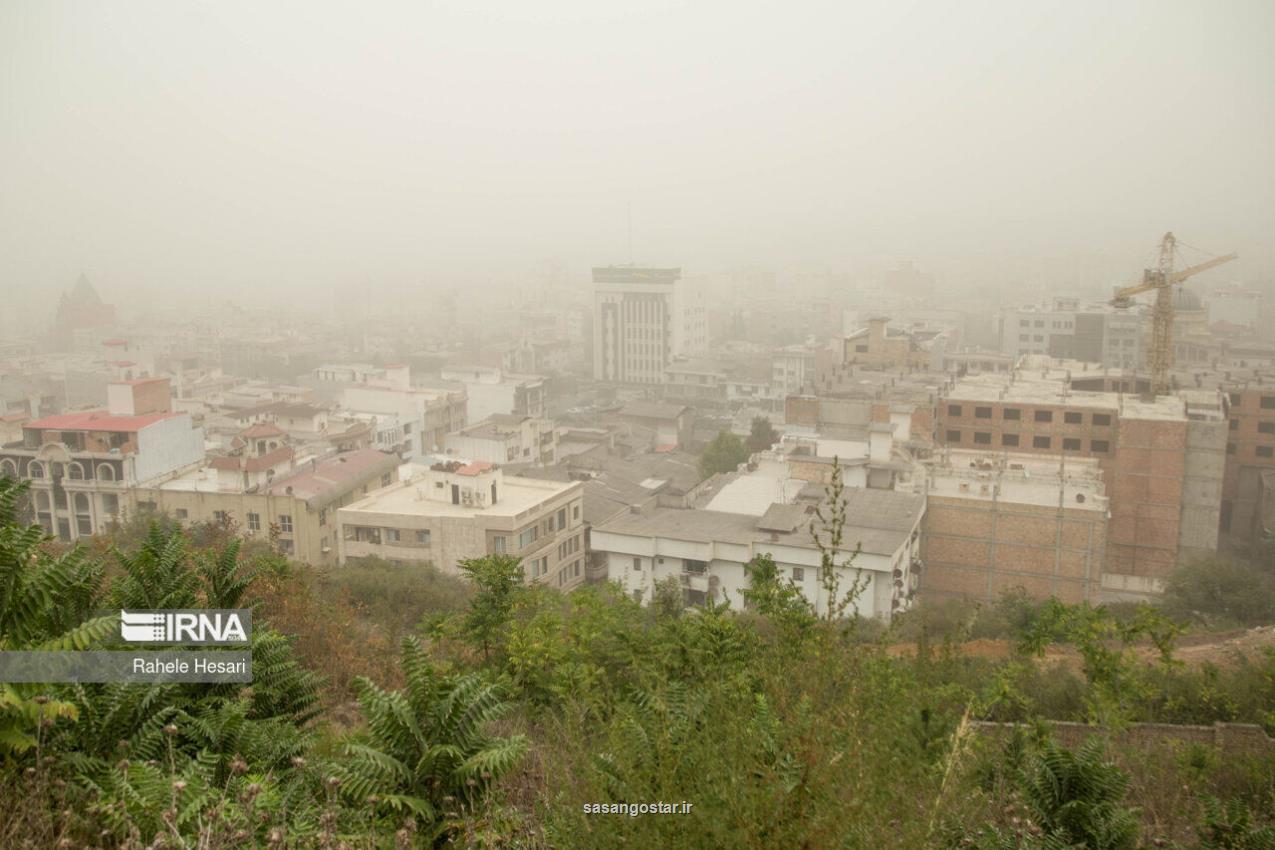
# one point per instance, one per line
(1019, 478)
(514, 496)
(1034, 388)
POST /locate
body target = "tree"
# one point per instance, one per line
(831, 518)
(762, 436)
(724, 454)
(498, 580)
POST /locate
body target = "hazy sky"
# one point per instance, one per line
(280, 144)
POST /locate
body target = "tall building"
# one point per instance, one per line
(642, 319)
(1072, 329)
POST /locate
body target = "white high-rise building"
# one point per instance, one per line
(642, 319)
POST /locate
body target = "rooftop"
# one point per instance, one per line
(879, 521)
(1019, 478)
(516, 495)
(98, 420)
(652, 410)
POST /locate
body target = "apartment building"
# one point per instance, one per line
(1070, 328)
(1162, 458)
(1250, 453)
(706, 551)
(83, 466)
(880, 346)
(449, 512)
(995, 521)
(503, 438)
(493, 391)
(295, 507)
(642, 319)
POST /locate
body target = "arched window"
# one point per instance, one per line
(35, 469)
(75, 472)
(106, 472)
(8, 469)
(81, 503)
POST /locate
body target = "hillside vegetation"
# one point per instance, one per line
(396, 708)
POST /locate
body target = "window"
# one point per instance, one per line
(285, 546)
(953, 436)
(1099, 446)
(1073, 418)
(497, 544)
(220, 517)
(953, 410)
(1265, 451)
(528, 537)
(285, 523)
(1044, 416)
(575, 512)
(254, 522)
(182, 513)
(1041, 442)
(1235, 424)
(982, 438)
(1102, 419)
(637, 565)
(982, 413)
(391, 535)
(1012, 413)
(798, 574)
(1266, 427)
(323, 516)
(1268, 402)
(1009, 439)
(386, 479)
(1230, 448)
(1071, 444)
(1235, 399)
(562, 519)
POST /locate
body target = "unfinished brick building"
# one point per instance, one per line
(1162, 459)
(994, 522)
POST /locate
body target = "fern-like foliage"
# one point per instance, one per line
(1230, 826)
(426, 749)
(1078, 795)
(158, 574)
(45, 603)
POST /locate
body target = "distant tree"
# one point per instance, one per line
(724, 454)
(762, 436)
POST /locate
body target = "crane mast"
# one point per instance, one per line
(1162, 279)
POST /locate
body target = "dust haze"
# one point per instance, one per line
(295, 149)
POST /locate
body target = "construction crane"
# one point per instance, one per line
(1161, 280)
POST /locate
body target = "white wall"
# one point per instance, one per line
(167, 445)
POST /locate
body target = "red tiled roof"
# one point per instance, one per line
(114, 342)
(666, 447)
(476, 468)
(261, 429)
(122, 363)
(97, 420)
(252, 464)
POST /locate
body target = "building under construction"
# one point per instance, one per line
(1162, 458)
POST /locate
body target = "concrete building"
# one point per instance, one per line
(880, 346)
(670, 424)
(503, 438)
(449, 512)
(1162, 459)
(1250, 453)
(642, 319)
(997, 521)
(706, 551)
(493, 391)
(84, 466)
(295, 508)
(1074, 329)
